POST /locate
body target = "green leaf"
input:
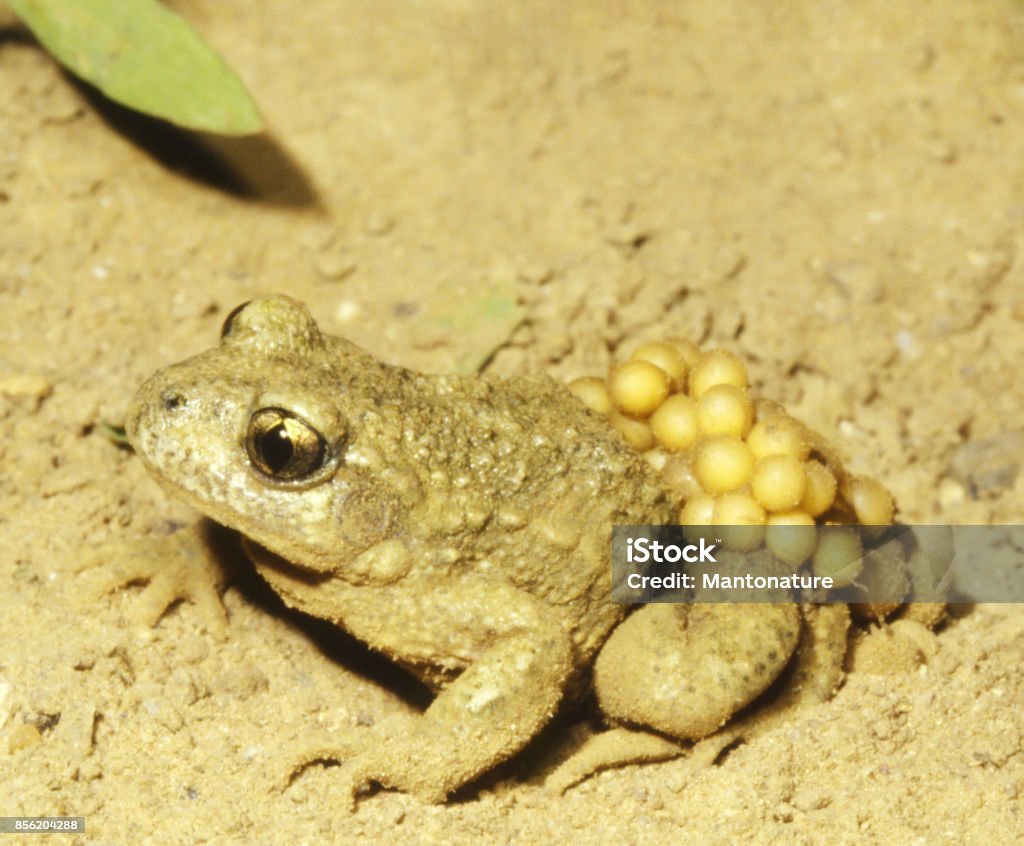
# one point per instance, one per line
(141, 54)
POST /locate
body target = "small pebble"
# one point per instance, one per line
(22, 737)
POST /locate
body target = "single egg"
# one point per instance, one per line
(638, 387)
(666, 357)
(778, 482)
(696, 516)
(792, 536)
(839, 555)
(716, 367)
(871, 502)
(698, 511)
(636, 432)
(674, 424)
(778, 434)
(820, 491)
(739, 520)
(725, 410)
(593, 393)
(722, 463)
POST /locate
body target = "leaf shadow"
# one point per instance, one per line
(254, 168)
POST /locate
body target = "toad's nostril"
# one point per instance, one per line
(172, 399)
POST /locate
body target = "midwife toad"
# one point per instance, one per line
(459, 525)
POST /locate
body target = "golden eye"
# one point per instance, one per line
(283, 446)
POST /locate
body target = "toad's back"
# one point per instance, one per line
(516, 472)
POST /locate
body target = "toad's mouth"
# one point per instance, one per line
(277, 570)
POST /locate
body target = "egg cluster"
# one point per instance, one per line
(737, 463)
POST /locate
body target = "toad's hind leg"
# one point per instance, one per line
(810, 677)
(684, 670)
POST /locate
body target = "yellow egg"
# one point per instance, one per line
(838, 555)
(636, 432)
(725, 410)
(698, 510)
(871, 502)
(778, 434)
(674, 424)
(722, 463)
(666, 357)
(638, 387)
(716, 367)
(778, 482)
(792, 536)
(738, 509)
(820, 490)
(793, 517)
(739, 520)
(593, 393)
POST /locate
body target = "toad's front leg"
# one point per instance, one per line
(514, 681)
(485, 716)
(188, 563)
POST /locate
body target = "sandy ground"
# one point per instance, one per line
(835, 190)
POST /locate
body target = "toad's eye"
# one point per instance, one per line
(283, 446)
